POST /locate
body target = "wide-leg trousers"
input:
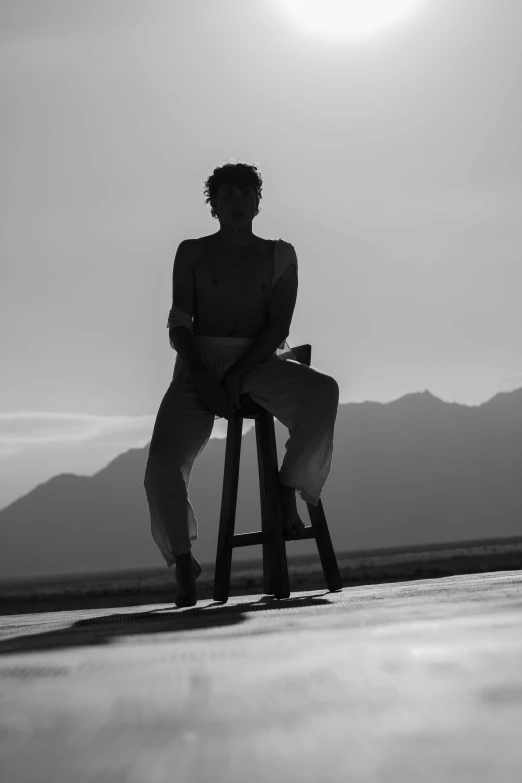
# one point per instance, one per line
(302, 398)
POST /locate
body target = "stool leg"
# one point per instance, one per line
(324, 545)
(227, 516)
(265, 513)
(274, 505)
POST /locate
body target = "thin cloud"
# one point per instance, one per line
(27, 430)
(35, 429)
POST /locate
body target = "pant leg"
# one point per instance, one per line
(181, 431)
(305, 401)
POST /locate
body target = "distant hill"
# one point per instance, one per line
(413, 471)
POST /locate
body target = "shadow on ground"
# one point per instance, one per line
(103, 629)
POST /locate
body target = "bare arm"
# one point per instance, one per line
(181, 336)
(281, 310)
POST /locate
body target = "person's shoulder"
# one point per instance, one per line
(283, 243)
(287, 251)
(196, 242)
(196, 246)
(201, 240)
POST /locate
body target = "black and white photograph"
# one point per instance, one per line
(261, 391)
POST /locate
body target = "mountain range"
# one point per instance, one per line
(416, 470)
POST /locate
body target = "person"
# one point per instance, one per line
(234, 295)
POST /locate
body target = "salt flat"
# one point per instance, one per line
(408, 681)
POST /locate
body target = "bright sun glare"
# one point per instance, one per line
(346, 18)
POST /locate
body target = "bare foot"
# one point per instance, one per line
(293, 524)
(187, 571)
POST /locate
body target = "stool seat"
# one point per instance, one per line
(249, 409)
(272, 536)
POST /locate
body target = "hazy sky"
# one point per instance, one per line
(392, 163)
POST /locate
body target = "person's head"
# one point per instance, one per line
(232, 187)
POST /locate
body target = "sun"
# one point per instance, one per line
(346, 18)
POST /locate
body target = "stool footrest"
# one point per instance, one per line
(249, 539)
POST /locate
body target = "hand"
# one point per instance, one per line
(231, 382)
(213, 395)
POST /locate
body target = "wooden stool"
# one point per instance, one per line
(275, 568)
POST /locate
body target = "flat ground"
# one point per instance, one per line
(410, 681)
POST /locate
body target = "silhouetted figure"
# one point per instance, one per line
(234, 295)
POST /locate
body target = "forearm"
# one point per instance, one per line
(186, 347)
(261, 349)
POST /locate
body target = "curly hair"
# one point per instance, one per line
(233, 173)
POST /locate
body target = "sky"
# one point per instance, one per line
(391, 161)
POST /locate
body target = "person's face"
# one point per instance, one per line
(235, 199)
